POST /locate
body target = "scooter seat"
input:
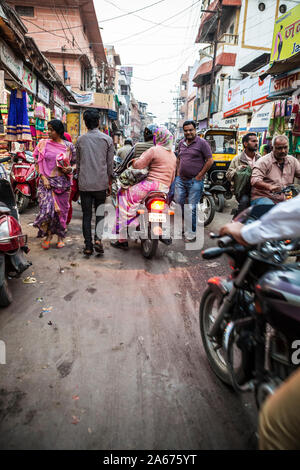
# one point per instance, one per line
(4, 209)
(154, 194)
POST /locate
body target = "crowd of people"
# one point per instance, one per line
(86, 170)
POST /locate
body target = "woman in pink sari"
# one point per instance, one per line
(54, 185)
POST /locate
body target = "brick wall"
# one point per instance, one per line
(50, 18)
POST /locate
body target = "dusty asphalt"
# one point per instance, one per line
(117, 361)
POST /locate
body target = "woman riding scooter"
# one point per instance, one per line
(161, 162)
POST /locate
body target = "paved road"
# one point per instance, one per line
(117, 361)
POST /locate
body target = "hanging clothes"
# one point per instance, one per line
(18, 123)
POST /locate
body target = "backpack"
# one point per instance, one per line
(242, 182)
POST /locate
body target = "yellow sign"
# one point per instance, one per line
(73, 125)
(286, 36)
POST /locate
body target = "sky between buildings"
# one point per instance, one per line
(159, 54)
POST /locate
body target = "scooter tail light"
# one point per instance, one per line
(157, 205)
(10, 232)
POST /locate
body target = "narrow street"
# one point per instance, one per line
(116, 360)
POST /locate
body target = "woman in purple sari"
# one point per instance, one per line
(54, 185)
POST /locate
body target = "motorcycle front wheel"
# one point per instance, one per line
(206, 210)
(209, 306)
(22, 202)
(219, 202)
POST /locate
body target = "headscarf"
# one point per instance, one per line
(163, 137)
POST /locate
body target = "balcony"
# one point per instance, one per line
(229, 38)
(208, 23)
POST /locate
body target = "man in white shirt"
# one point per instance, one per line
(279, 418)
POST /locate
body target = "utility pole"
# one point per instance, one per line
(215, 42)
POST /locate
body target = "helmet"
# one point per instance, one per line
(149, 131)
(128, 141)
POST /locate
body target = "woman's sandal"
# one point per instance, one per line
(46, 244)
(60, 244)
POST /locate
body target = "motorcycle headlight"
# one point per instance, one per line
(220, 175)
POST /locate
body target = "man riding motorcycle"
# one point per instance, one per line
(279, 419)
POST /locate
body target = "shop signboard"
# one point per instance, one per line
(58, 98)
(252, 91)
(285, 84)
(261, 118)
(236, 121)
(43, 92)
(29, 80)
(286, 36)
(9, 59)
(58, 112)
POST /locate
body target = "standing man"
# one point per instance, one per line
(245, 159)
(194, 160)
(95, 154)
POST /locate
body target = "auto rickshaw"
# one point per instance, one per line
(223, 142)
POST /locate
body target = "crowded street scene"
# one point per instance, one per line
(149, 227)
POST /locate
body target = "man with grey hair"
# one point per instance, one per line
(273, 172)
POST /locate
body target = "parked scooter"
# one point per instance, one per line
(23, 178)
(250, 320)
(13, 244)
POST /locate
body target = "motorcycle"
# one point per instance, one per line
(13, 244)
(250, 320)
(153, 215)
(23, 178)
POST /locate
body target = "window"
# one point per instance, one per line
(124, 90)
(24, 11)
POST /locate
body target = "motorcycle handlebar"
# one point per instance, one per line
(6, 159)
(224, 241)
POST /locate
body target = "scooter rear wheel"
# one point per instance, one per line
(5, 295)
(149, 248)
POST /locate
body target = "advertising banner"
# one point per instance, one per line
(261, 118)
(240, 121)
(286, 36)
(84, 99)
(252, 91)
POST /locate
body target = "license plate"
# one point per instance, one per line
(220, 164)
(153, 217)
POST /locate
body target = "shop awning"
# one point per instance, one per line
(223, 59)
(282, 66)
(256, 63)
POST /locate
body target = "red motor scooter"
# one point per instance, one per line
(23, 178)
(13, 244)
